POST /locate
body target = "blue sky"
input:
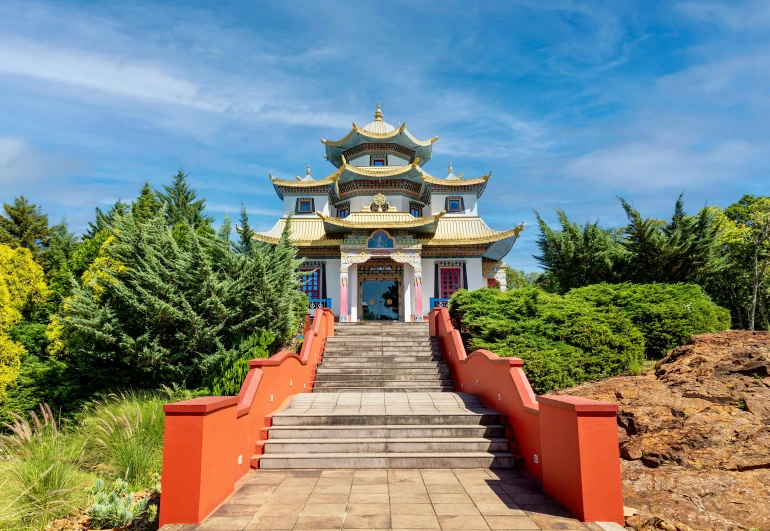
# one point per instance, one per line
(569, 103)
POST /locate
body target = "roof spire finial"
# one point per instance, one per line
(308, 170)
(378, 112)
(450, 166)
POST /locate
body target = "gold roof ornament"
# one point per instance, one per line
(378, 126)
(379, 199)
(307, 176)
(451, 176)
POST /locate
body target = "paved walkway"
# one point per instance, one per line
(464, 499)
(347, 403)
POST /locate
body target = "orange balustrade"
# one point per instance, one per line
(569, 444)
(208, 442)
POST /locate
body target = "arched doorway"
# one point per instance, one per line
(381, 290)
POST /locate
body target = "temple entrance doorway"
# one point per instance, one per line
(379, 300)
(380, 290)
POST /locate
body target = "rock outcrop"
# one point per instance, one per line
(695, 434)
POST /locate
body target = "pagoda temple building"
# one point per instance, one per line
(381, 238)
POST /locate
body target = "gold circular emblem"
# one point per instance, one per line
(379, 199)
(389, 301)
(371, 301)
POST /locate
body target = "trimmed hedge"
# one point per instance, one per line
(564, 341)
(666, 314)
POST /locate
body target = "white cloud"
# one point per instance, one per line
(735, 14)
(23, 165)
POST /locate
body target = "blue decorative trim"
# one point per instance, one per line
(438, 303)
(314, 304)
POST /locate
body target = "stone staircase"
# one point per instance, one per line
(383, 399)
(382, 358)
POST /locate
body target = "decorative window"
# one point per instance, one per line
(450, 281)
(454, 204)
(343, 210)
(379, 160)
(380, 240)
(305, 206)
(415, 209)
(311, 282)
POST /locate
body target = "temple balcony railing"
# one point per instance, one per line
(314, 304)
(436, 302)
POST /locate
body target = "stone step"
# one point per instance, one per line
(352, 364)
(482, 418)
(381, 359)
(386, 431)
(379, 371)
(388, 460)
(384, 384)
(383, 445)
(380, 350)
(420, 389)
(400, 377)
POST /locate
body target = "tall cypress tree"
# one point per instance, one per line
(245, 233)
(183, 205)
(146, 205)
(25, 225)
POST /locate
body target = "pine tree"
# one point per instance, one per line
(25, 225)
(146, 205)
(61, 249)
(182, 205)
(245, 233)
(577, 256)
(225, 230)
(105, 220)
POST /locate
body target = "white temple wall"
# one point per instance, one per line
(320, 203)
(333, 283)
(408, 292)
(428, 282)
(438, 203)
(353, 293)
(473, 270)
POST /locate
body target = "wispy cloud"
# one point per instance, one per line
(741, 15)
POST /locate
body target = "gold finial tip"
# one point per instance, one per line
(450, 167)
(378, 112)
(308, 169)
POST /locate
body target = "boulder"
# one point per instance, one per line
(694, 434)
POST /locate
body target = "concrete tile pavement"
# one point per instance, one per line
(464, 499)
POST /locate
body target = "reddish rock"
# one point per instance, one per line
(695, 434)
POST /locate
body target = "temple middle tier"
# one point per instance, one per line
(381, 238)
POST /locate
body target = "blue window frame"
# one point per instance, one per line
(304, 206)
(415, 209)
(454, 204)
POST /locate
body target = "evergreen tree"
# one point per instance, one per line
(578, 256)
(25, 225)
(146, 205)
(245, 233)
(225, 230)
(685, 249)
(157, 311)
(105, 220)
(62, 247)
(182, 205)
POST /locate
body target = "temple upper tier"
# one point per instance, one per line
(381, 211)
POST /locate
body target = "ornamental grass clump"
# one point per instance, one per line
(124, 437)
(113, 505)
(44, 480)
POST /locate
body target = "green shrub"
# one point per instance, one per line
(565, 341)
(666, 314)
(123, 436)
(43, 479)
(113, 505)
(228, 371)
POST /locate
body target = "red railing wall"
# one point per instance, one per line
(569, 444)
(208, 442)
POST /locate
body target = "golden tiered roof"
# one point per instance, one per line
(380, 220)
(456, 230)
